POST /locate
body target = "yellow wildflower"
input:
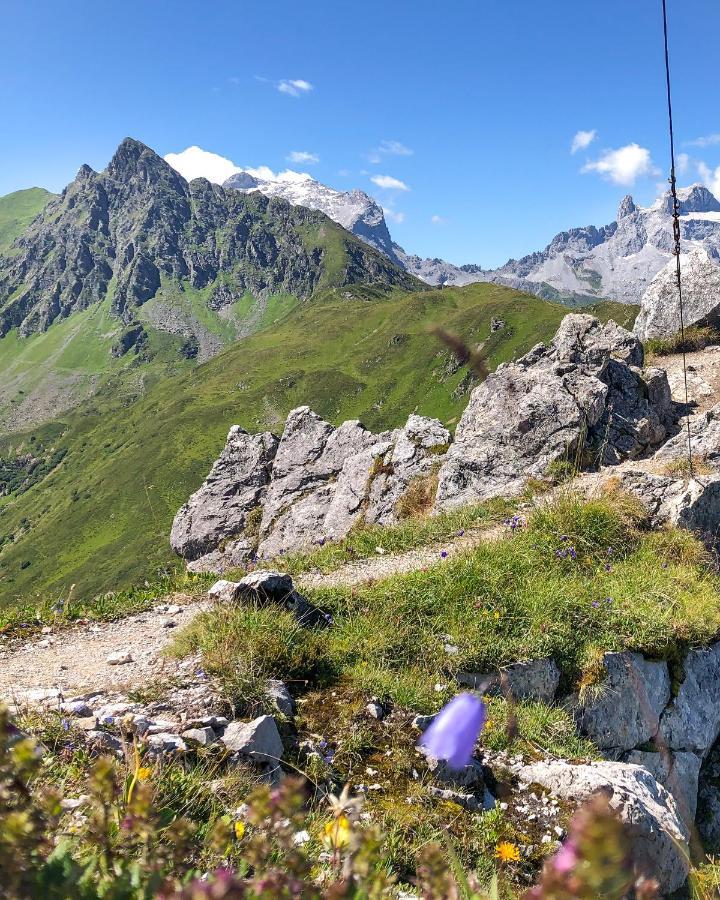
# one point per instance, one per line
(143, 773)
(239, 830)
(507, 852)
(337, 833)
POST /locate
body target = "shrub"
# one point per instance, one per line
(246, 645)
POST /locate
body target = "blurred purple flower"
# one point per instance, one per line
(608, 599)
(461, 532)
(566, 858)
(444, 554)
(571, 553)
(563, 537)
(321, 541)
(65, 724)
(453, 732)
(596, 603)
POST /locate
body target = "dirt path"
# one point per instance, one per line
(385, 565)
(74, 660)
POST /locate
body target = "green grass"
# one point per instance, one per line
(513, 599)
(101, 520)
(696, 338)
(17, 210)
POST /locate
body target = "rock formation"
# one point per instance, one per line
(660, 836)
(659, 308)
(267, 496)
(585, 394)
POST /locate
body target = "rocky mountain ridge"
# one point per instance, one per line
(616, 261)
(124, 232)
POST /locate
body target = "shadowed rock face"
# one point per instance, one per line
(117, 233)
(584, 392)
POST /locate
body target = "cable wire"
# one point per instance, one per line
(676, 228)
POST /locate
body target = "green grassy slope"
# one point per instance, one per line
(101, 520)
(17, 210)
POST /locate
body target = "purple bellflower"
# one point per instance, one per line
(454, 730)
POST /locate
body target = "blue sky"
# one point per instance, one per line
(472, 105)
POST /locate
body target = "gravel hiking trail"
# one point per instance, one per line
(74, 659)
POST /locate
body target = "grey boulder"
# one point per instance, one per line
(258, 740)
(692, 720)
(624, 710)
(677, 772)
(691, 504)
(534, 679)
(281, 697)
(659, 835)
(708, 809)
(659, 314)
(583, 392)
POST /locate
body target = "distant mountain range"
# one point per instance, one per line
(579, 266)
(129, 233)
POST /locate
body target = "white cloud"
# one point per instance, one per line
(198, 163)
(709, 140)
(397, 218)
(683, 163)
(624, 165)
(296, 87)
(438, 220)
(582, 140)
(302, 157)
(388, 148)
(389, 183)
(394, 148)
(710, 178)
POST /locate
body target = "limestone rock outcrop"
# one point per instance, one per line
(585, 393)
(660, 837)
(659, 311)
(267, 496)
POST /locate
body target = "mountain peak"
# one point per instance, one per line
(627, 207)
(241, 181)
(132, 154)
(697, 198)
(85, 172)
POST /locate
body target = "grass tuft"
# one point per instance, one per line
(696, 338)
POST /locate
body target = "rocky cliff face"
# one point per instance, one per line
(121, 232)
